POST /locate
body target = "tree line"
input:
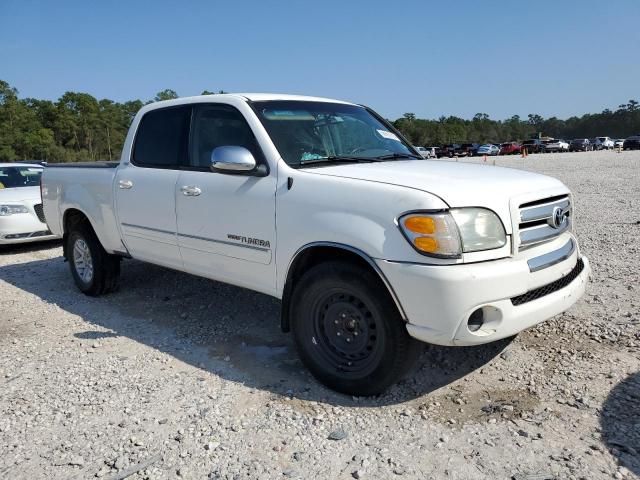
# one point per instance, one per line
(621, 123)
(79, 127)
(76, 127)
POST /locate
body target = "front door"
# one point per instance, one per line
(145, 187)
(226, 222)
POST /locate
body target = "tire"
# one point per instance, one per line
(348, 331)
(94, 271)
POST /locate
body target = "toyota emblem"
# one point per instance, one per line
(558, 218)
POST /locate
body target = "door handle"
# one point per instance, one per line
(190, 191)
(125, 184)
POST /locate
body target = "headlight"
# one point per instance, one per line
(433, 234)
(450, 233)
(480, 229)
(6, 210)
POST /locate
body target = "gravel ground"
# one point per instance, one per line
(176, 376)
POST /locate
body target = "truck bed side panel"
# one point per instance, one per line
(89, 190)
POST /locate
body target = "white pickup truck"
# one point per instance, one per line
(323, 204)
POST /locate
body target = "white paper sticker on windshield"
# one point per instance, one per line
(389, 135)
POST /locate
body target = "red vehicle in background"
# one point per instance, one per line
(510, 148)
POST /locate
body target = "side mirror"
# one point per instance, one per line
(236, 160)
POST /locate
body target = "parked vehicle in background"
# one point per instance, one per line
(533, 145)
(449, 150)
(21, 215)
(618, 143)
(433, 151)
(467, 150)
(632, 143)
(323, 204)
(580, 145)
(423, 151)
(440, 152)
(510, 148)
(603, 143)
(556, 146)
(488, 149)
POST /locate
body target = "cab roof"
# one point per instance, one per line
(253, 97)
(259, 97)
(234, 98)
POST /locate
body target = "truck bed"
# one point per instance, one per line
(85, 187)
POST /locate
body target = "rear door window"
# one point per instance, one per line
(162, 138)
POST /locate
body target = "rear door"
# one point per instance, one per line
(226, 222)
(145, 187)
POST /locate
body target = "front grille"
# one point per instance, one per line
(40, 212)
(550, 287)
(536, 222)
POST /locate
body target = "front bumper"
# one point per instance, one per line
(438, 300)
(22, 228)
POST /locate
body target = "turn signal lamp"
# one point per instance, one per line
(433, 234)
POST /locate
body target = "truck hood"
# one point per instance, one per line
(457, 184)
(19, 194)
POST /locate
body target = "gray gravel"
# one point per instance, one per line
(180, 377)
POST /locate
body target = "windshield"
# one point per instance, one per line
(13, 177)
(311, 131)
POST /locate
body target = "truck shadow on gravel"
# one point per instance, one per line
(28, 247)
(620, 422)
(228, 331)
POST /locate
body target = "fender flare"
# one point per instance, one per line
(64, 225)
(284, 317)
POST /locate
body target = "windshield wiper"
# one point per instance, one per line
(348, 159)
(398, 156)
(335, 159)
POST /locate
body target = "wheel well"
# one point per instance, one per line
(315, 255)
(71, 219)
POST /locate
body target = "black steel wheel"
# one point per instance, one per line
(348, 331)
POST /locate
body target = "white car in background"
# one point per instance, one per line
(603, 143)
(21, 214)
(618, 143)
(426, 152)
(489, 149)
(556, 146)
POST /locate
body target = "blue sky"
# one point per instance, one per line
(432, 58)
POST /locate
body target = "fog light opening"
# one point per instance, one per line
(476, 320)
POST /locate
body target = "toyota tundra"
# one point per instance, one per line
(323, 204)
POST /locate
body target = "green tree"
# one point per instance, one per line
(166, 94)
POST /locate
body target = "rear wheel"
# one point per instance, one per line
(348, 331)
(94, 271)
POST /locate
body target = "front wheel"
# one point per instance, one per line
(348, 331)
(94, 271)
